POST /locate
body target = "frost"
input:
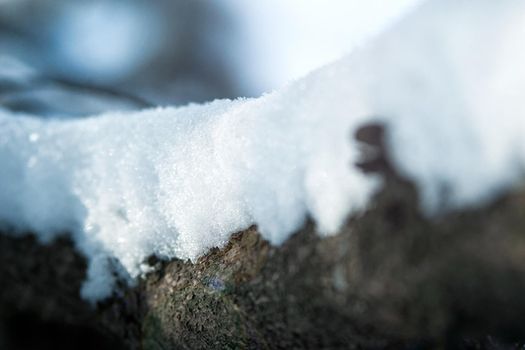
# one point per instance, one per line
(448, 81)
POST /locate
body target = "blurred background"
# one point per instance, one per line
(64, 58)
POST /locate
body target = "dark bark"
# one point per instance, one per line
(391, 278)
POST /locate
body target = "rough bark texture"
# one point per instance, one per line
(390, 279)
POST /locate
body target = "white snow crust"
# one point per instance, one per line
(448, 81)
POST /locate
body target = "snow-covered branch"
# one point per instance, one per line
(447, 81)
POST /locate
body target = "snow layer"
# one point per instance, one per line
(447, 80)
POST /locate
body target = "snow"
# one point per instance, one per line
(447, 80)
(283, 40)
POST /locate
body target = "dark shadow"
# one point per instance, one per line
(27, 331)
